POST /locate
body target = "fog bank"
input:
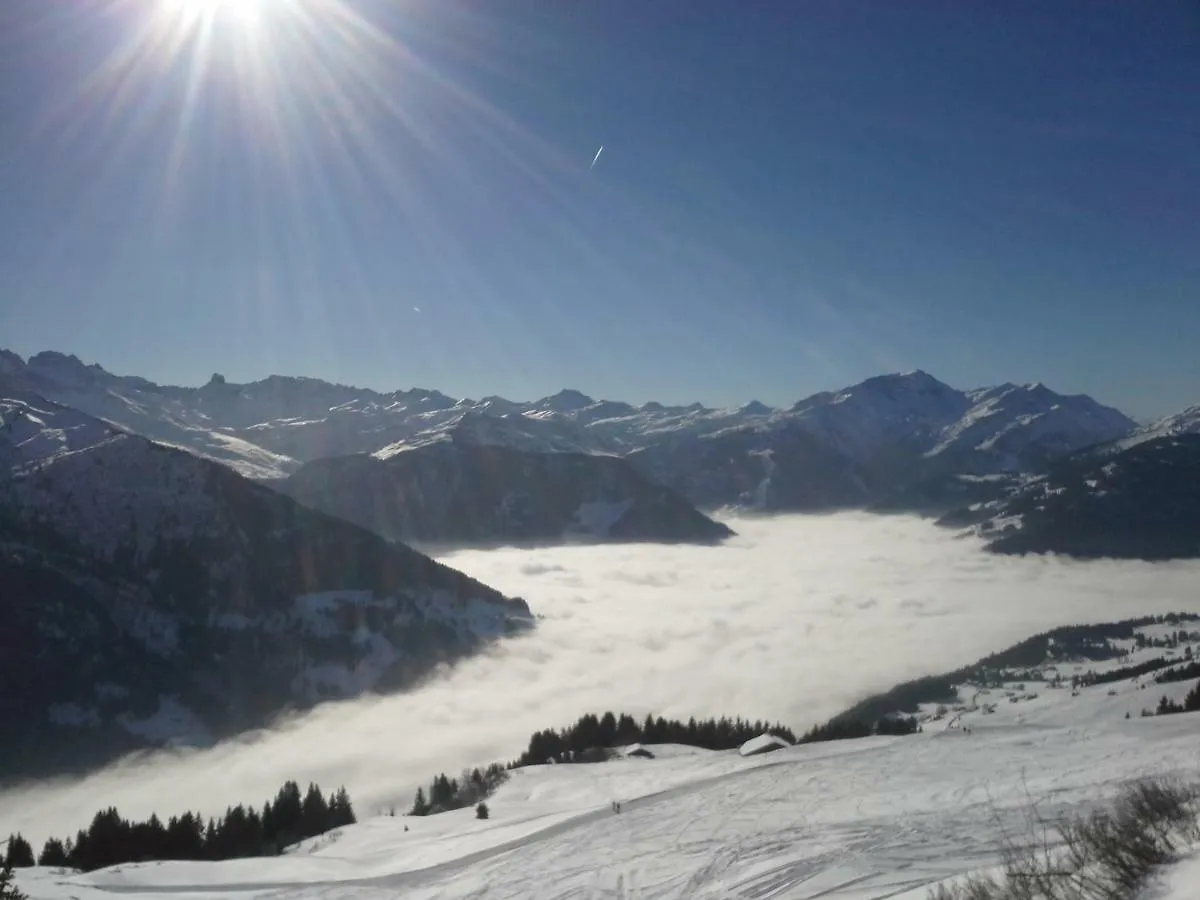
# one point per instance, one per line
(793, 620)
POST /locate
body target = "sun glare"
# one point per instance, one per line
(243, 15)
(306, 94)
(246, 14)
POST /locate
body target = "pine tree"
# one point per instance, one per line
(212, 841)
(441, 792)
(420, 806)
(481, 811)
(20, 854)
(314, 813)
(606, 730)
(53, 854)
(341, 810)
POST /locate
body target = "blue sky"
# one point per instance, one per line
(792, 196)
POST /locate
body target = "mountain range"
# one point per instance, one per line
(847, 448)
(419, 465)
(186, 563)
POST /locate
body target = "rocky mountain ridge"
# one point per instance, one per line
(864, 444)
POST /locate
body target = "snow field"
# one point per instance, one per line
(874, 818)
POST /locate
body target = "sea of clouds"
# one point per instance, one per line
(793, 620)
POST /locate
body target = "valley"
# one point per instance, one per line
(231, 613)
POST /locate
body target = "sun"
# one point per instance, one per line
(245, 14)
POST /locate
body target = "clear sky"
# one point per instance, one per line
(793, 195)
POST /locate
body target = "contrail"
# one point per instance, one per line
(596, 157)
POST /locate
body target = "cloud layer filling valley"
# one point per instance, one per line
(793, 620)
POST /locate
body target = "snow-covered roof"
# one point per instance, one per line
(764, 743)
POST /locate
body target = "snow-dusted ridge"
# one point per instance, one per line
(461, 491)
(1141, 501)
(886, 431)
(1185, 422)
(202, 602)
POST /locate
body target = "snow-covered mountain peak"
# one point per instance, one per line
(1023, 426)
(566, 400)
(860, 419)
(499, 406)
(915, 378)
(63, 369)
(894, 424)
(755, 408)
(1186, 421)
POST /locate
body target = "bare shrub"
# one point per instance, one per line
(1106, 855)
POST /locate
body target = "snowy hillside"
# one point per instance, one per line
(34, 430)
(483, 428)
(862, 443)
(1185, 422)
(848, 820)
(151, 595)
(1142, 502)
(780, 466)
(1023, 427)
(461, 492)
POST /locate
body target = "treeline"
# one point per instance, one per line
(1173, 639)
(593, 737)
(1191, 703)
(449, 793)
(1088, 679)
(1183, 673)
(241, 832)
(1093, 642)
(577, 742)
(905, 697)
(850, 729)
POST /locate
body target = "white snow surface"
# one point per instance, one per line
(1180, 881)
(873, 818)
(1185, 422)
(764, 743)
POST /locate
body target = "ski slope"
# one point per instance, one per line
(852, 820)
